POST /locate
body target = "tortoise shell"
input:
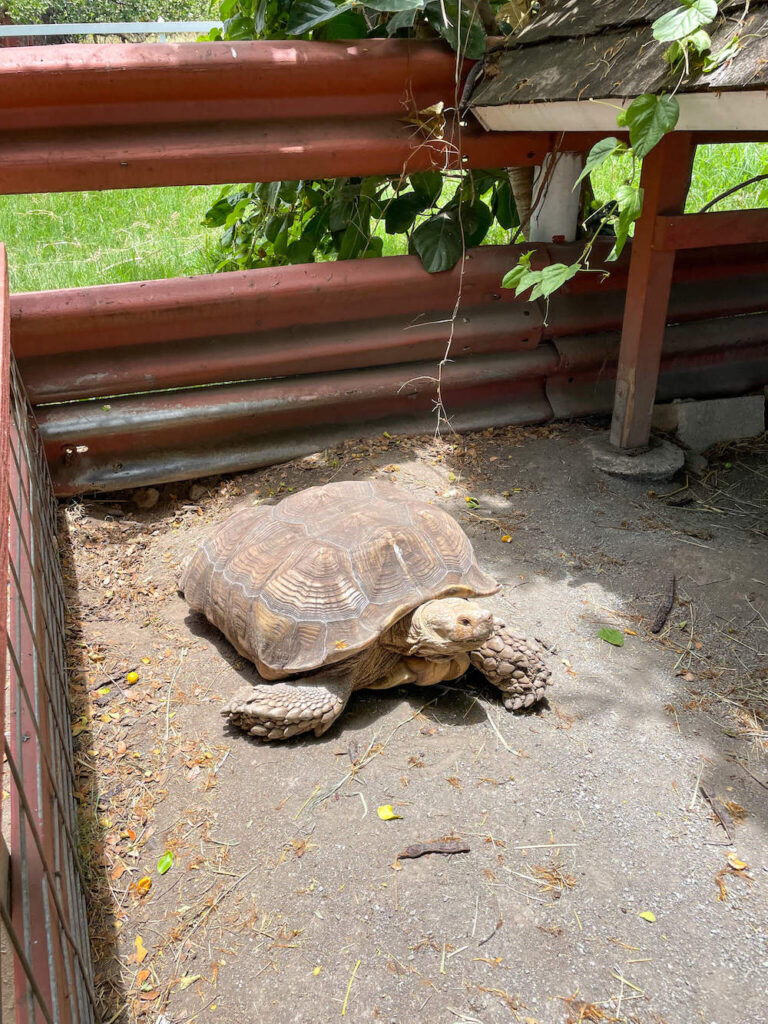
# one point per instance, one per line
(319, 576)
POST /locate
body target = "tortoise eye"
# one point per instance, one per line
(465, 622)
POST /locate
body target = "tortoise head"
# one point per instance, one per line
(440, 629)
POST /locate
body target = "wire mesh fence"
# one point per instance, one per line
(41, 900)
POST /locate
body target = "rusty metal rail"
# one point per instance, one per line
(42, 910)
(188, 377)
(97, 117)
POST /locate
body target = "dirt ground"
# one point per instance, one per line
(597, 886)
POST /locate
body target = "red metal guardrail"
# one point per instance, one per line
(95, 117)
(297, 358)
(42, 907)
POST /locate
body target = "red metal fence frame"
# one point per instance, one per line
(44, 911)
(79, 117)
(293, 359)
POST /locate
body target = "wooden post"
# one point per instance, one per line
(665, 179)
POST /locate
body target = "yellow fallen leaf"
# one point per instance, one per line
(144, 885)
(103, 691)
(736, 864)
(145, 661)
(648, 915)
(187, 980)
(386, 813)
(141, 951)
(506, 539)
(317, 971)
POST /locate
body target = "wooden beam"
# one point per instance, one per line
(708, 230)
(738, 114)
(665, 180)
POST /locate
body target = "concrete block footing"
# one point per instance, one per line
(700, 424)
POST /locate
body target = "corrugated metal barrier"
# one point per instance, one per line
(162, 380)
(41, 903)
(96, 117)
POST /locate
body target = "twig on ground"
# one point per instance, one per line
(696, 788)
(496, 927)
(744, 768)
(720, 811)
(349, 989)
(170, 690)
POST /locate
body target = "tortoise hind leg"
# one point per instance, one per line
(277, 711)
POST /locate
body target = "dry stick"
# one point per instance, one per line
(730, 191)
(496, 927)
(720, 811)
(315, 800)
(170, 690)
(744, 768)
(696, 787)
(349, 988)
(489, 716)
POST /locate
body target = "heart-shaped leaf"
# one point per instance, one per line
(403, 211)
(438, 242)
(680, 22)
(649, 118)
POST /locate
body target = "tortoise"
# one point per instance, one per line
(347, 586)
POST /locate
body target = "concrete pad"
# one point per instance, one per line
(659, 462)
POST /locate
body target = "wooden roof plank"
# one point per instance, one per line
(599, 61)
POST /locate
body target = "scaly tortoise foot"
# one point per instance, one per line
(515, 665)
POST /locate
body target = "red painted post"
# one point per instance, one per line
(665, 180)
(5, 460)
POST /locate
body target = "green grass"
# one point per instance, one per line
(77, 239)
(716, 168)
(68, 240)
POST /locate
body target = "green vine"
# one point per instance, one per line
(648, 118)
(440, 214)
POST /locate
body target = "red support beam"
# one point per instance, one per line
(665, 180)
(5, 460)
(709, 230)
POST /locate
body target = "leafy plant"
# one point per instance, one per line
(48, 12)
(648, 118)
(440, 213)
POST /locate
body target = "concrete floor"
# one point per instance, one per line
(285, 901)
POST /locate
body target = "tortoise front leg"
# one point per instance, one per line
(277, 711)
(515, 665)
